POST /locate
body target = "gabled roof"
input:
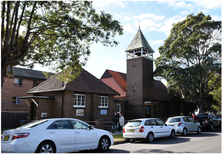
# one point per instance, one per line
(138, 42)
(120, 78)
(160, 90)
(86, 82)
(28, 73)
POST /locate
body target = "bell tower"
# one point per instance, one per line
(140, 84)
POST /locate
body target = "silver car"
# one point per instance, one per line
(184, 124)
(147, 129)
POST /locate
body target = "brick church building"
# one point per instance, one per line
(135, 94)
(140, 95)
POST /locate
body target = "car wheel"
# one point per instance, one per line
(184, 132)
(104, 143)
(129, 140)
(150, 137)
(46, 147)
(172, 134)
(198, 130)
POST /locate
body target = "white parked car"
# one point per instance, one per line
(55, 135)
(147, 128)
(184, 124)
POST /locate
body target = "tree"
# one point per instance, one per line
(53, 33)
(191, 57)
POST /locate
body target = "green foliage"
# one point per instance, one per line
(55, 34)
(191, 57)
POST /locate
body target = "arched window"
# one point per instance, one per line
(118, 108)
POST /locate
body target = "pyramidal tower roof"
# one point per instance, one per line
(138, 42)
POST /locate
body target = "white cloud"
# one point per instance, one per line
(149, 15)
(103, 3)
(128, 18)
(209, 4)
(168, 24)
(112, 62)
(156, 55)
(215, 18)
(151, 22)
(185, 13)
(155, 41)
(148, 22)
(128, 28)
(176, 4)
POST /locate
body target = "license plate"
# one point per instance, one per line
(131, 130)
(6, 138)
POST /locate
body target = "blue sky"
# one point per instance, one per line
(156, 19)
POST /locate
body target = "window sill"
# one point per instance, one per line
(105, 107)
(79, 106)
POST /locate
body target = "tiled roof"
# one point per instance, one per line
(119, 77)
(27, 73)
(138, 42)
(86, 82)
(160, 90)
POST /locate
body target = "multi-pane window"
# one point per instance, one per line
(118, 108)
(17, 82)
(103, 101)
(79, 100)
(16, 100)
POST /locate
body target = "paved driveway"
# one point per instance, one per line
(206, 142)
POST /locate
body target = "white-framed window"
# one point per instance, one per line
(17, 82)
(79, 100)
(103, 101)
(118, 108)
(16, 100)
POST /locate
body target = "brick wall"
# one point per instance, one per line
(140, 76)
(92, 112)
(8, 91)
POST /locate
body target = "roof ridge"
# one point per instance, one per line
(139, 41)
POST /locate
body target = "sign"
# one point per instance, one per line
(147, 102)
(44, 115)
(79, 112)
(104, 112)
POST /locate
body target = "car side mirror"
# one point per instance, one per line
(91, 127)
(165, 124)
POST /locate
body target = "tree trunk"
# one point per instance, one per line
(3, 71)
(200, 104)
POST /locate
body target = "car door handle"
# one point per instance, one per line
(151, 127)
(51, 132)
(77, 132)
(161, 127)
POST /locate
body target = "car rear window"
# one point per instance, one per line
(172, 120)
(133, 123)
(203, 115)
(33, 124)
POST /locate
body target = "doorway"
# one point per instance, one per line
(33, 111)
(148, 111)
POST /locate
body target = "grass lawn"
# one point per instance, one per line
(118, 137)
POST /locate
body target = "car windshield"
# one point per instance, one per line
(133, 123)
(33, 124)
(172, 120)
